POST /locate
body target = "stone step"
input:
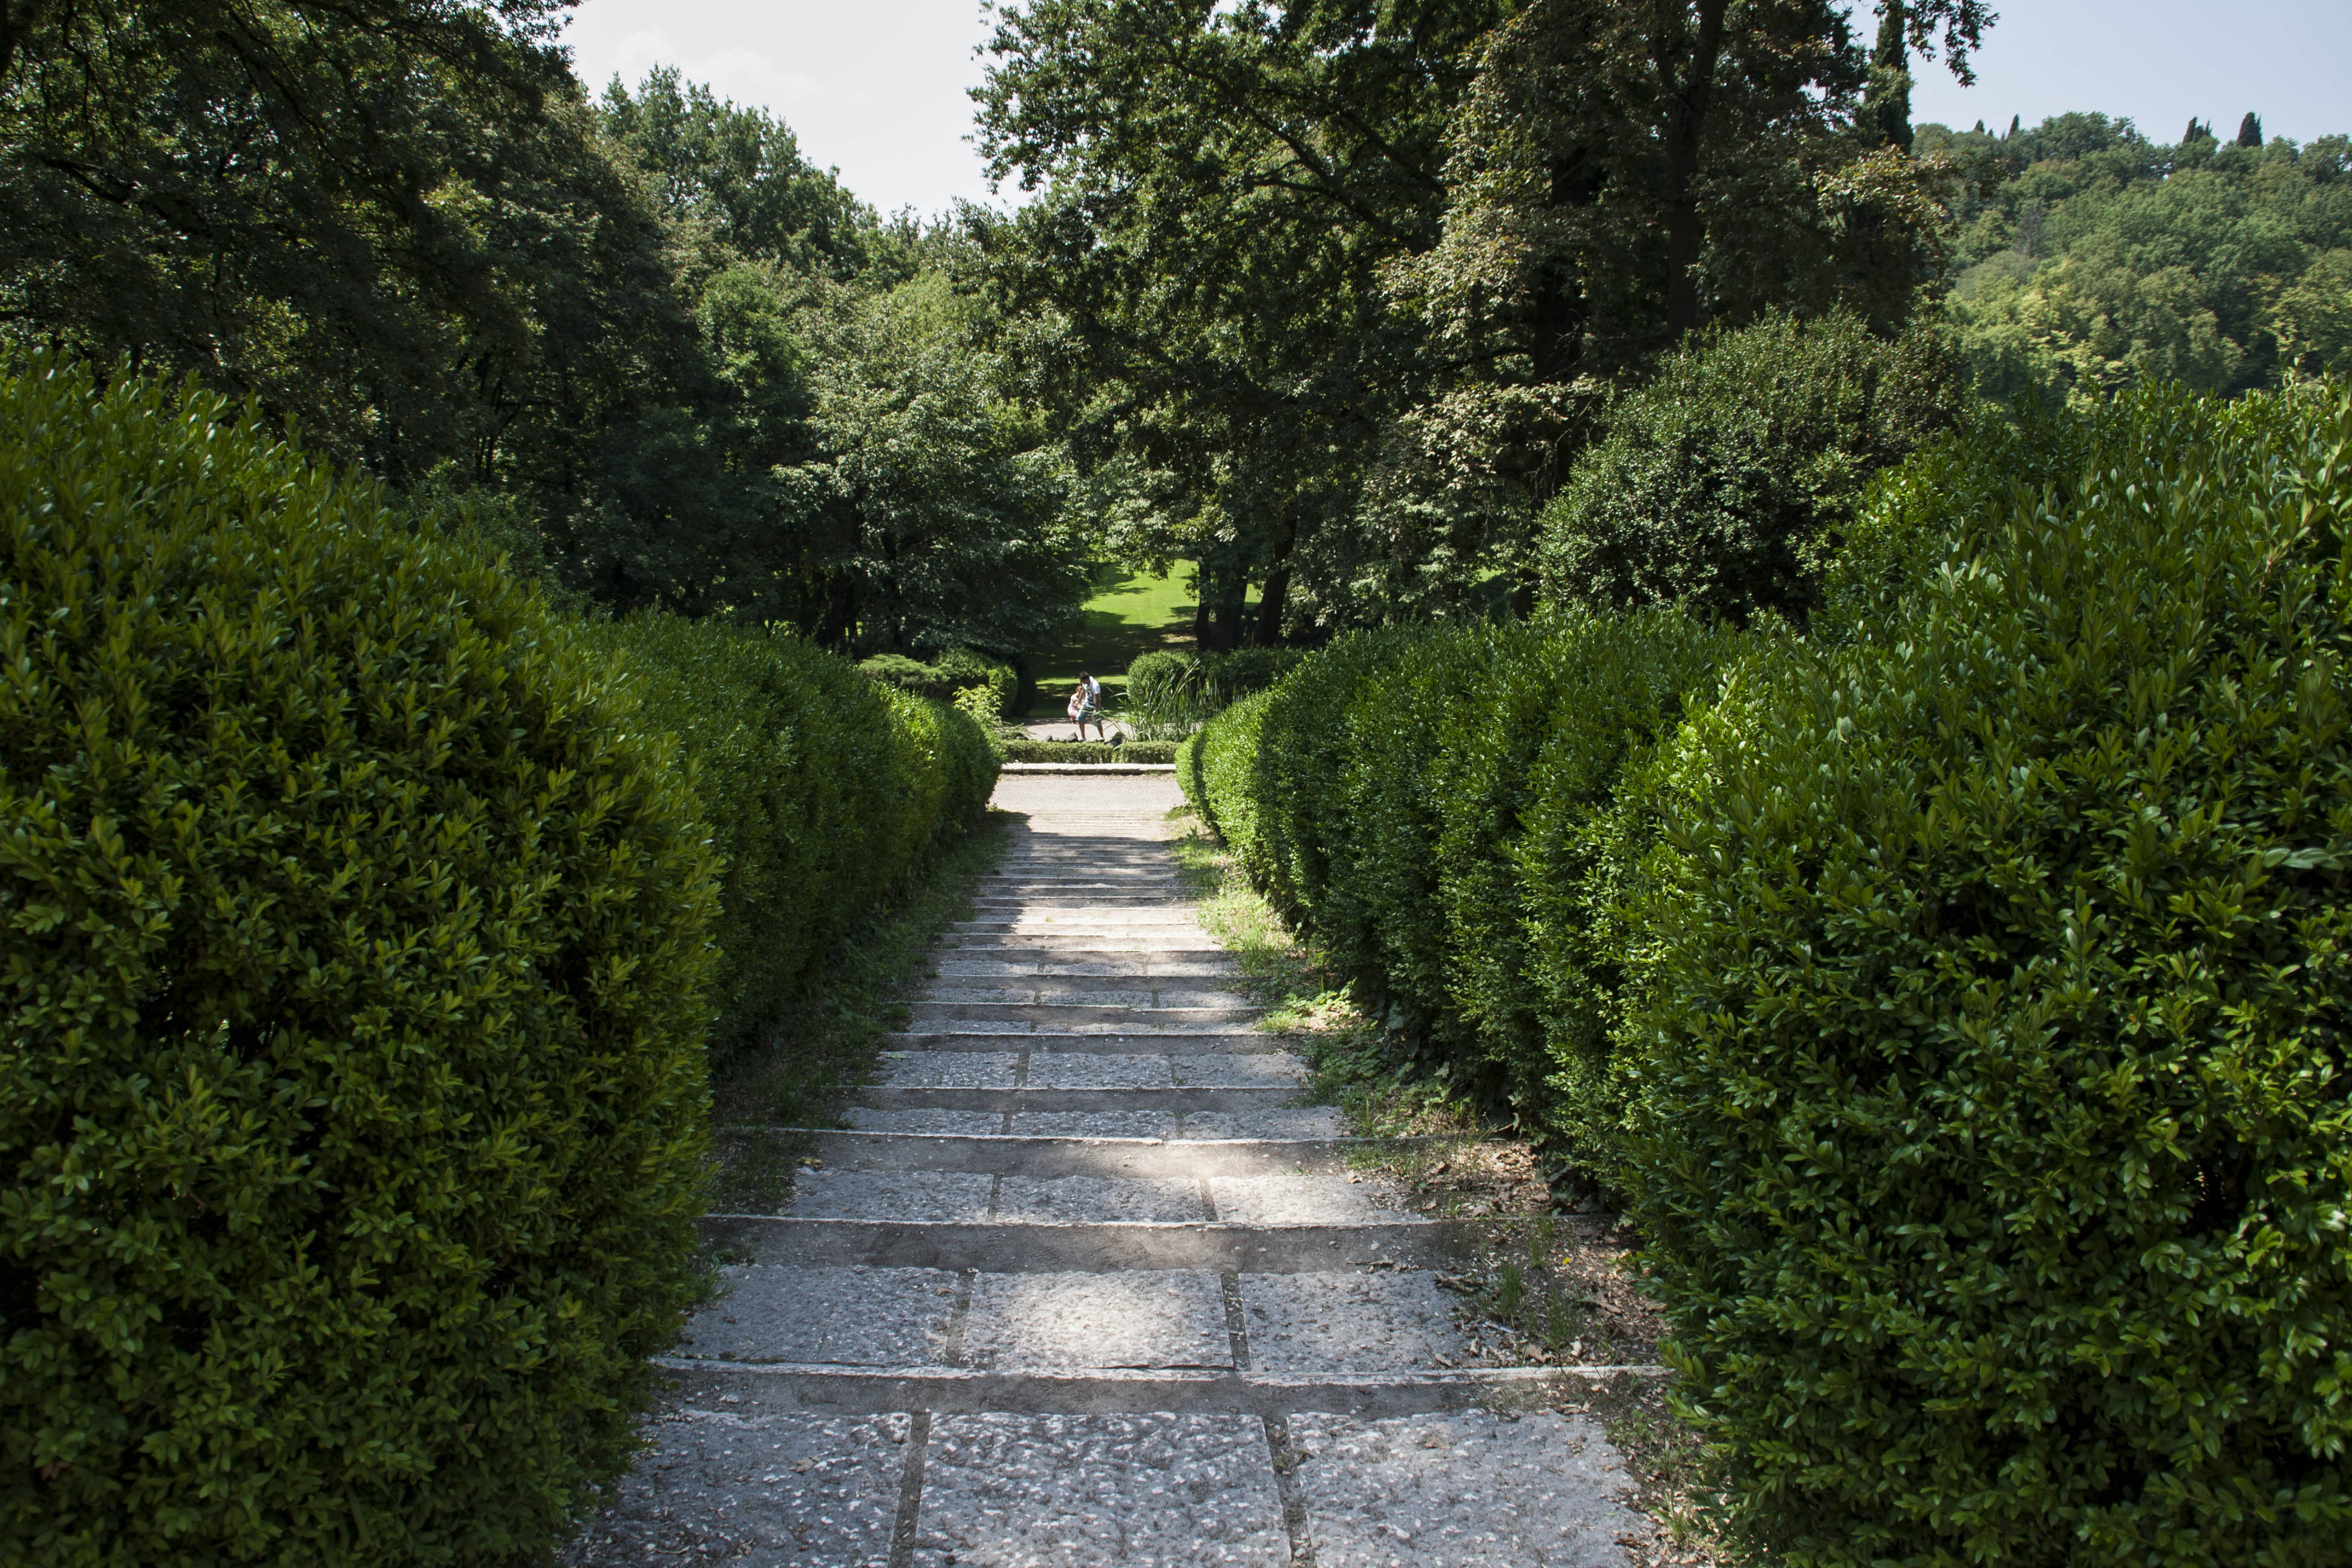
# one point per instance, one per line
(1279, 1121)
(1109, 972)
(1138, 1042)
(1017, 1070)
(1023, 1101)
(1075, 1016)
(748, 1389)
(1094, 1246)
(1193, 946)
(986, 904)
(1002, 1156)
(1059, 920)
(1171, 993)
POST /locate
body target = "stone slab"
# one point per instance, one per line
(1068, 1321)
(1230, 1070)
(1082, 1491)
(890, 1196)
(1072, 1069)
(864, 1119)
(1465, 1490)
(1295, 1198)
(1274, 1122)
(855, 1317)
(757, 1492)
(951, 1070)
(1167, 1200)
(1380, 1319)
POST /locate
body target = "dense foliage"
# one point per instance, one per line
(1326, 291)
(356, 963)
(705, 375)
(1448, 809)
(1728, 479)
(2090, 259)
(820, 790)
(1170, 691)
(2026, 901)
(1957, 995)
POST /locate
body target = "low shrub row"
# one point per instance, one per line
(821, 789)
(1169, 690)
(365, 927)
(1953, 993)
(1089, 751)
(948, 676)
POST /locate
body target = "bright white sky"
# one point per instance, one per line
(876, 87)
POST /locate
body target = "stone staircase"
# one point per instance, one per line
(1085, 1284)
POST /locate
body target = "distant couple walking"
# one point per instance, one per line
(1085, 706)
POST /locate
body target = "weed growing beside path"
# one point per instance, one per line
(816, 1056)
(1567, 1296)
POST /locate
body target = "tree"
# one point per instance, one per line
(1726, 482)
(2249, 130)
(937, 504)
(1221, 187)
(2089, 259)
(1334, 287)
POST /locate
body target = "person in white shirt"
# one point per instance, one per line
(1085, 706)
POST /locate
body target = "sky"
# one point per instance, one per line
(876, 88)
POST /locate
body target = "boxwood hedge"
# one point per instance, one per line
(355, 966)
(822, 789)
(1956, 994)
(1440, 806)
(1995, 1144)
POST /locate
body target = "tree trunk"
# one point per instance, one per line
(1686, 131)
(1277, 585)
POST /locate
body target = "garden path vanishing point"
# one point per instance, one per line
(1087, 1285)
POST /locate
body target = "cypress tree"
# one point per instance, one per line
(1893, 57)
(2249, 130)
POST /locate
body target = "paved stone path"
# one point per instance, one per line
(1086, 1284)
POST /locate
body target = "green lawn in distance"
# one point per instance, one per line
(1131, 613)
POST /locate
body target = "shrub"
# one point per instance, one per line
(1089, 751)
(955, 671)
(1441, 808)
(1728, 478)
(355, 963)
(1172, 692)
(1994, 1144)
(822, 791)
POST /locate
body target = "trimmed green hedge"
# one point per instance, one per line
(952, 673)
(1957, 995)
(823, 789)
(356, 966)
(366, 927)
(1996, 1152)
(1089, 751)
(1440, 806)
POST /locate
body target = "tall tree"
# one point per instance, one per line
(1221, 185)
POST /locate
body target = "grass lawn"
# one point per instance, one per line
(1131, 613)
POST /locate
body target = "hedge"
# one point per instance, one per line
(822, 789)
(1089, 751)
(1995, 1148)
(356, 961)
(1956, 995)
(952, 672)
(1174, 689)
(1440, 806)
